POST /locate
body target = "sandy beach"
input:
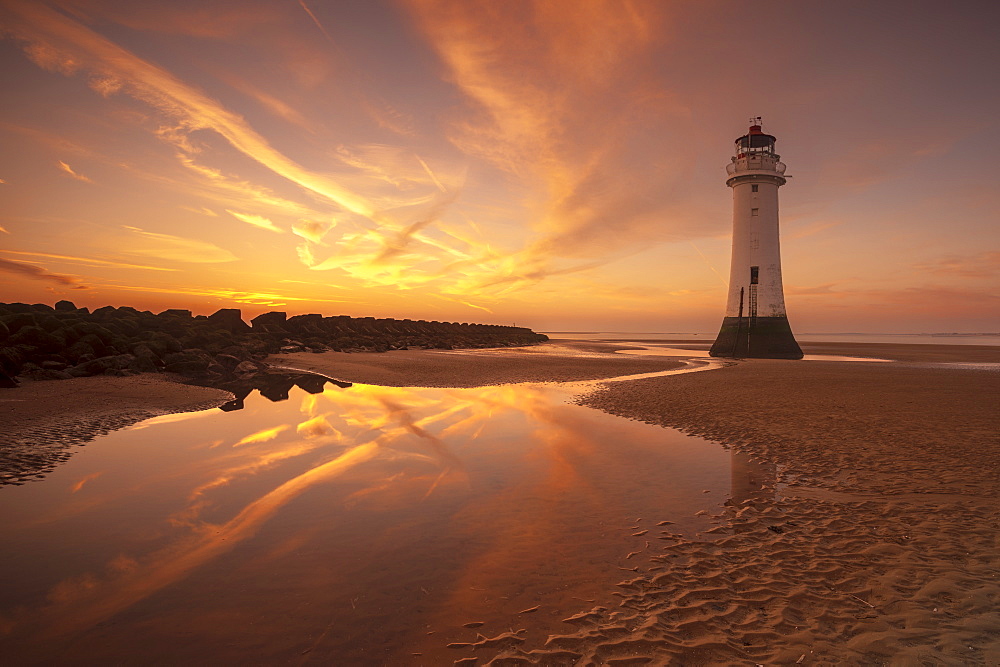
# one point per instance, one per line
(42, 422)
(870, 536)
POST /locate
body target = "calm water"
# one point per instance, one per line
(358, 525)
(912, 339)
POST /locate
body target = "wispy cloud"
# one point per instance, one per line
(202, 210)
(250, 297)
(176, 248)
(981, 265)
(69, 170)
(87, 261)
(57, 42)
(256, 220)
(38, 273)
(316, 21)
(562, 98)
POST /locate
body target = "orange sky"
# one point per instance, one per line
(556, 164)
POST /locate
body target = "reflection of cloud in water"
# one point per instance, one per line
(394, 423)
(170, 419)
(412, 444)
(262, 436)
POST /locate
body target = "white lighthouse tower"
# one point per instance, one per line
(755, 324)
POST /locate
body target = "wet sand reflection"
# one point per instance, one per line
(280, 530)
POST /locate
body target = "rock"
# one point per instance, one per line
(230, 319)
(101, 365)
(289, 349)
(145, 360)
(175, 312)
(37, 337)
(312, 324)
(65, 306)
(215, 368)
(187, 362)
(17, 321)
(7, 382)
(78, 350)
(228, 361)
(269, 322)
(11, 360)
(105, 312)
(53, 365)
(246, 369)
(163, 344)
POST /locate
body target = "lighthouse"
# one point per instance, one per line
(755, 324)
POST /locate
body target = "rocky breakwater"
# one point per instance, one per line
(42, 342)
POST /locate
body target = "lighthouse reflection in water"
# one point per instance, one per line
(274, 530)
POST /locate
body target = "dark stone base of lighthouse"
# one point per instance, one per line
(756, 338)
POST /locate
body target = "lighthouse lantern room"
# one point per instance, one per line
(755, 323)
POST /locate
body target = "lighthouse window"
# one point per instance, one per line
(753, 188)
(755, 211)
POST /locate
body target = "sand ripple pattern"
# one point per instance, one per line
(798, 581)
(50, 419)
(875, 540)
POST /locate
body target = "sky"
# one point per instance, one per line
(556, 164)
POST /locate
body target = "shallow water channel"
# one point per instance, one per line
(344, 525)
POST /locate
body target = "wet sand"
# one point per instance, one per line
(562, 361)
(875, 539)
(868, 532)
(40, 422)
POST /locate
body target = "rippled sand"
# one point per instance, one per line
(867, 534)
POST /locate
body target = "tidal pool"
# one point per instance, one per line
(344, 525)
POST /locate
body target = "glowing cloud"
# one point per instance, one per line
(38, 273)
(262, 436)
(69, 170)
(58, 43)
(87, 261)
(166, 246)
(257, 221)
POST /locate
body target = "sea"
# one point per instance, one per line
(709, 337)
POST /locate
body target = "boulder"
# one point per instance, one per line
(102, 365)
(19, 320)
(105, 312)
(228, 361)
(305, 324)
(269, 322)
(246, 369)
(146, 361)
(187, 362)
(37, 337)
(78, 350)
(230, 319)
(176, 312)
